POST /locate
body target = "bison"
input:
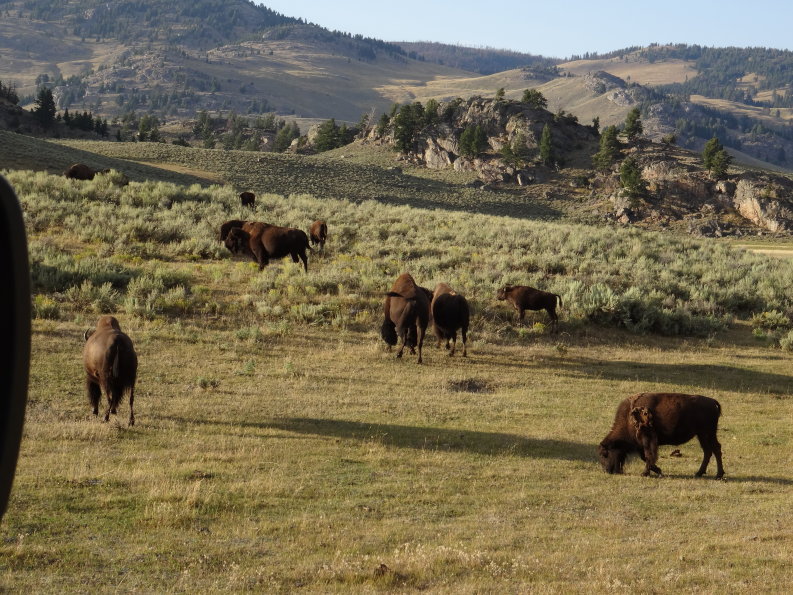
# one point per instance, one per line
(407, 312)
(111, 365)
(525, 298)
(262, 241)
(247, 199)
(675, 418)
(449, 311)
(80, 171)
(228, 226)
(318, 233)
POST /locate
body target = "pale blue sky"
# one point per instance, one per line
(557, 28)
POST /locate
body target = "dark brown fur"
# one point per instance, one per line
(676, 418)
(318, 234)
(262, 241)
(450, 313)
(407, 312)
(247, 199)
(641, 421)
(525, 298)
(80, 171)
(228, 226)
(111, 365)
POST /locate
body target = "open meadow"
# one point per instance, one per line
(279, 445)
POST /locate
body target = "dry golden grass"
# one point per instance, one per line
(314, 458)
(637, 71)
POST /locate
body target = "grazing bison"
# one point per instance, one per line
(111, 365)
(318, 233)
(449, 311)
(80, 171)
(525, 298)
(407, 312)
(675, 418)
(247, 199)
(262, 241)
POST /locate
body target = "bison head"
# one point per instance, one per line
(612, 457)
(236, 240)
(501, 294)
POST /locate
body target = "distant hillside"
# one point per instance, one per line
(175, 58)
(480, 60)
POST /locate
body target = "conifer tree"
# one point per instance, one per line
(45, 108)
(633, 124)
(609, 148)
(712, 147)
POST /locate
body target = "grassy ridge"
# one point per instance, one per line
(279, 446)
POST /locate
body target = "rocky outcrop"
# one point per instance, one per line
(766, 201)
(510, 126)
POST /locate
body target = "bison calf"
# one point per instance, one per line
(318, 233)
(673, 419)
(450, 313)
(111, 365)
(525, 298)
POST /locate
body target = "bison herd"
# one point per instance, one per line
(642, 422)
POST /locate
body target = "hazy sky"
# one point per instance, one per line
(557, 28)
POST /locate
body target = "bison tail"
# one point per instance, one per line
(393, 294)
(115, 359)
(388, 332)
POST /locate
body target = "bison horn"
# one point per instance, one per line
(87, 333)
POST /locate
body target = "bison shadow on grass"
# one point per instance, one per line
(708, 377)
(441, 439)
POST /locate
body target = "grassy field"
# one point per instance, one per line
(279, 446)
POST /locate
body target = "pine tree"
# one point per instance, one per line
(609, 148)
(473, 141)
(534, 99)
(712, 147)
(328, 136)
(631, 178)
(633, 125)
(45, 108)
(720, 163)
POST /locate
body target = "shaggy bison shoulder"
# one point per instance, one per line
(647, 420)
(111, 365)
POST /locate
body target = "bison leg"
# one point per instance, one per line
(454, 344)
(420, 332)
(304, 258)
(94, 394)
(261, 256)
(131, 410)
(464, 333)
(710, 446)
